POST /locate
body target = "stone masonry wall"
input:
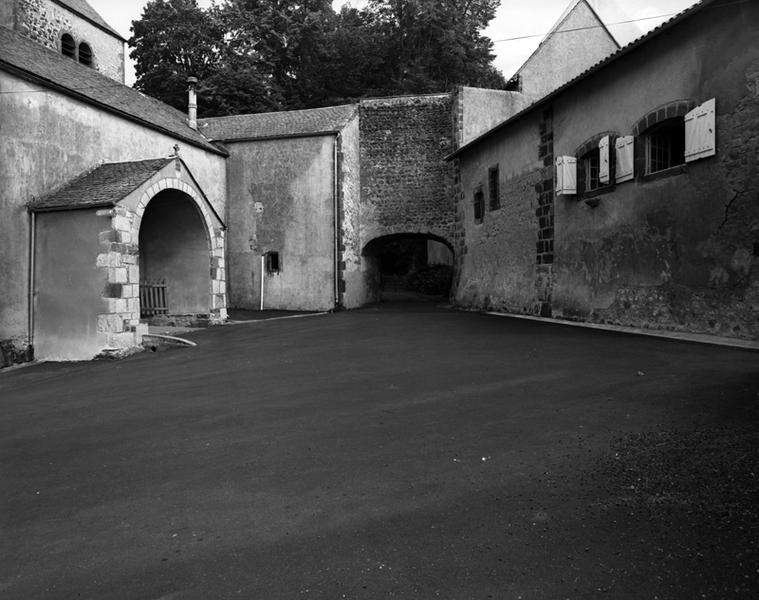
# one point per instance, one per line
(406, 186)
(45, 22)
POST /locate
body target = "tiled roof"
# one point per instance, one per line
(83, 9)
(293, 123)
(696, 7)
(50, 69)
(103, 186)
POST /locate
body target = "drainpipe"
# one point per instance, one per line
(192, 104)
(32, 260)
(263, 260)
(336, 213)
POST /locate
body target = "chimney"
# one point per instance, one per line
(192, 106)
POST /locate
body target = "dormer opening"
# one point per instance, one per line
(68, 46)
(85, 54)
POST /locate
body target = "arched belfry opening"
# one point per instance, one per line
(407, 266)
(174, 251)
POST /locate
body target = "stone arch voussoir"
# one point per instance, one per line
(119, 322)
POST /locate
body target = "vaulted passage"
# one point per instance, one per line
(174, 252)
(404, 266)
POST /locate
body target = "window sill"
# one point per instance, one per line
(678, 170)
(596, 192)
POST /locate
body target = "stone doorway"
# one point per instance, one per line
(174, 251)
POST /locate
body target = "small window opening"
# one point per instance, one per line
(68, 46)
(272, 262)
(85, 54)
(494, 192)
(479, 206)
(588, 171)
(665, 145)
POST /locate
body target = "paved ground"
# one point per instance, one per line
(401, 452)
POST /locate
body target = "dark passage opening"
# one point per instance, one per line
(174, 255)
(408, 267)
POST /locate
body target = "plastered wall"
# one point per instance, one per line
(49, 139)
(282, 200)
(675, 251)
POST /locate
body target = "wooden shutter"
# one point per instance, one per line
(625, 154)
(604, 171)
(700, 132)
(566, 175)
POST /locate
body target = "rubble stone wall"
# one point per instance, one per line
(45, 22)
(406, 185)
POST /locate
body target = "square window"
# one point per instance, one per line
(494, 193)
(665, 145)
(479, 206)
(272, 262)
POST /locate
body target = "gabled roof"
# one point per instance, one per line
(84, 10)
(45, 67)
(681, 16)
(103, 186)
(293, 123)
(568, 10)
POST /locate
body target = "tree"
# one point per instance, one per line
(435, 45)
(264, 55)
(175, 39)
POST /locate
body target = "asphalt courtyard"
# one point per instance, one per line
(394, 452)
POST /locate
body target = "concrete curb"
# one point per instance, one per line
(275, 319)
(698, 338)
(168, 338)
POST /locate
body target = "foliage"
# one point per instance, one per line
(264, 55)
(173, 40)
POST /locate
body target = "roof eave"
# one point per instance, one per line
(68, 207)
(288, 136)
(109, 30)
(34, 78)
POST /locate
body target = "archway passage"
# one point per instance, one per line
(175, 277)
(408, 267)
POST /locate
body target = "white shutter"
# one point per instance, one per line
(566, 175)
(625, 154)
(604, 173)
(700, 132)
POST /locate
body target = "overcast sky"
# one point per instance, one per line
(515, 18)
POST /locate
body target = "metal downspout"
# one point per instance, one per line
(336, 224)
(32, 266)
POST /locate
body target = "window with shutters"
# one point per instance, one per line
(595, 165)
(479, 205)
(494, 192)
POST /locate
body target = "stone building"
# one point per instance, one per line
(89, 167)
(629, 195)
(116, 207)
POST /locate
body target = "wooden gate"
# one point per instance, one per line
(153, 299)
